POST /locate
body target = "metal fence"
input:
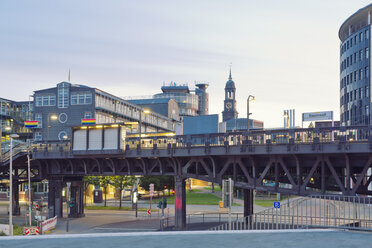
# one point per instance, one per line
(334, 211)
(211, 218)
(351, 134)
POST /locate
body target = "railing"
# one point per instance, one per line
(200, 218)
(337, 135)
(52, 146)
(17, 149)
(344, 212)
(259, 137)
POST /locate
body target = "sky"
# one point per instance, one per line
(284, 52)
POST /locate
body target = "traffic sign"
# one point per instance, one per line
(151, 189)
(276, 204)
(149, 211)
(26, 187)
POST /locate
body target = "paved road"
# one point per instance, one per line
(252, 239)
(97, 221)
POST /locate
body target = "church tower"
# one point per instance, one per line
(229, 109)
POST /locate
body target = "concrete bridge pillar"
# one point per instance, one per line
(16, 208)
(180, 203)
(77, 197)
(248, 202)
(55, 198)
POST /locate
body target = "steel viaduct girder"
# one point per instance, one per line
(301, 169)
(298, 174)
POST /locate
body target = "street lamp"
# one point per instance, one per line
(145, 111)
(53, 117)
(12, 136)
(249, 99)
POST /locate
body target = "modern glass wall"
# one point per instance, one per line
(355, 78)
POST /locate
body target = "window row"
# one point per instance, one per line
(361, 36)
(355, 95)
(356, 115)
(81, 98)
(63, 95)
(47, 100)
(354, 76)
(354, 58)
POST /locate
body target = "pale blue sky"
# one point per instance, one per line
(285, 52)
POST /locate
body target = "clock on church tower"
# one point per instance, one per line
(229, 111)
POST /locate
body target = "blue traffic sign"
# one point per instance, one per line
(276, 204)
(26, 187)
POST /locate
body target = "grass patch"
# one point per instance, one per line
(193, 198)
(17, 230)
(265, 203)
(216, 188)
(124, 208)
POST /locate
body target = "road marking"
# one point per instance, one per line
(131, 234)
(126, 229)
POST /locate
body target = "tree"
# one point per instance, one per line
(121, 182)
(89, 180)
(160, 183)
(104, 182)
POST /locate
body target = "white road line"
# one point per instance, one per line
(131, 234)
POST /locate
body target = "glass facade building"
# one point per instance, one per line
(12, 117)
(188, 103)
(355, 62)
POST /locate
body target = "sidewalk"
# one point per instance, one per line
(240, 209)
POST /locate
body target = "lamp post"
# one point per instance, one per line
(250, 98)
(52, 117)
(12, 136)
(145, 111)
(29, 185)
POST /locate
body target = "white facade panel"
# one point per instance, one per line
(80, 140)
(95, 139)
(111, 139)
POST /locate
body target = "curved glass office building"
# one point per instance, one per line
(355, 61)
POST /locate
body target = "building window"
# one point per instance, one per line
(47, 100)
(63, 93)
(62, 135)
(367, 34)
(62, 118)
(39, 118)
(88, 115)
(81, 98)
(367, 52)
(366, 72)
(360, 55)
(38, 136)
(367, 91)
